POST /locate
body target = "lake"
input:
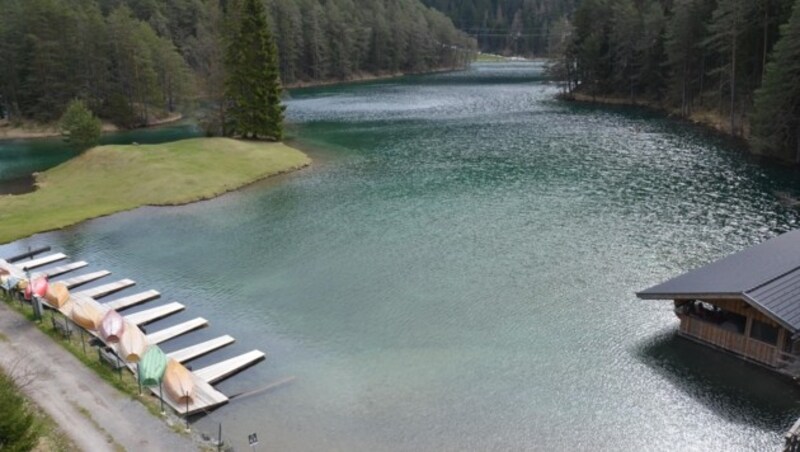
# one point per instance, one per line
(457, 271)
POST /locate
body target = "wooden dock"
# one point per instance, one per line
(176, 330)
(106, 289)
(195, 351)
(153, 314)
(206, 396)
(78, 281)
(42, 261)
(133, 300)
(224, 369)
(58, 271)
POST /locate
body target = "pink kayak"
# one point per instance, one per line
(111, 327)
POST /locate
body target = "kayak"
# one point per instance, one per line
(40, 286)
(131, 344)
(178, 383)
(152, 366)
(85, 314)
(111, 327)
(57, 295)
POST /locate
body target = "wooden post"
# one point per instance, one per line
(187, 415)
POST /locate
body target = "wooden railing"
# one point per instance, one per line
(735, 342)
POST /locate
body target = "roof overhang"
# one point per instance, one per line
(719, 296)
(645, 295)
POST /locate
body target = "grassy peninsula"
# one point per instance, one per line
(109, 179)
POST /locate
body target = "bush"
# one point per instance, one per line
(18, 431)
(80, 127)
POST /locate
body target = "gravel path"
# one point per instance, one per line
(94, 414)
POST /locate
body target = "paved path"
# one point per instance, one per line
(70, 393)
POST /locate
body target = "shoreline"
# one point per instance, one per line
(116, 178)
(367, 77)
(32, 130)
(105, 418)
(707, 119)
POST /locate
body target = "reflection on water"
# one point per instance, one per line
(21, 158)
(457, 269)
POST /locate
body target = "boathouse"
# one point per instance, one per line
(747, 303)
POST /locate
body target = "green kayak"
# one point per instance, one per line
(152, 366)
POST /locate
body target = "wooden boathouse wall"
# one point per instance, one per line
(741, 344)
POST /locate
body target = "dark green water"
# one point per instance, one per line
(457, 271)
(20, 158)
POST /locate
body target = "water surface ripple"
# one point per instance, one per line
(457, 271)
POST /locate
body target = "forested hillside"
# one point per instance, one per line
(733, 59)
(132, 59)
(511, 27)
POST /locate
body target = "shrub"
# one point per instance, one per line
(79, 126)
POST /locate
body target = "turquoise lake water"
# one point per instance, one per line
(457, 271)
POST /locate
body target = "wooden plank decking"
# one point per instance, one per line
(195, 351)
(107, 289)
(132, 300)
(42, 261)
(58, 271)
(153, 314)
(176, 330)
(224, 369)
(77, 281)
(206, 397)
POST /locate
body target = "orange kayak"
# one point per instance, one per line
(178, 383)
(132, 344)
(85, 314)
(57, 295)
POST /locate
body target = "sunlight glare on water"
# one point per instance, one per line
(457, 271)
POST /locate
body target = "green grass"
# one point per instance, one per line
(490, 58)
(109, 179)
(123, 381)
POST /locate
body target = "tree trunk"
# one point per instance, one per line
(702, 76)
(733, 81)
(766, 30)
(797, 154)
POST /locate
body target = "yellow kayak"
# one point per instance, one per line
(132, 344)
(178, 383)
(57, 295)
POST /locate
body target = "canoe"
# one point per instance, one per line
(132, 344)
(111, 327)
(57, 294)
(86, 314)
(152, 366)
(178, 383)
(40, 286)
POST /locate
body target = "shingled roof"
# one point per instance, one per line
(767, 276)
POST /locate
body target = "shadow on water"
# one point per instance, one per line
(736, 390)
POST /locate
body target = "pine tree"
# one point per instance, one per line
(776, 120)
(252, 88)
